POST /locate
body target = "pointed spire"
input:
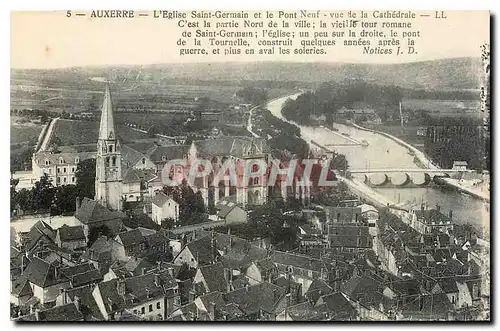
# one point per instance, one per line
(107, 128)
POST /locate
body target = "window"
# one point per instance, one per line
(107, 161)
(143, 160)
(58, 170)
(72, 179)
(64, 169)
(113, 159)
(77, 160)
(143, 310)
(163, 158)
(47, 162)
(150, 308)
(61, 161)
(64, 179)
(135, 311)
(50, 171)
(158, 305)
(110, 148)
(73, 169)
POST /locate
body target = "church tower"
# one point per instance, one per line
(108, 179)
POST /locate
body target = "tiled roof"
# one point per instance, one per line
(131, 237)
(263, 296)
(21, 287)
(161, 198)
(448, 285)
(432, 216)
(214, 277)
(305, 311)
(138, 290)
(297, 260)
(231, 146)
(91, 211)
(69, 233)
(63, 313)
(161, 154)
(41, 273)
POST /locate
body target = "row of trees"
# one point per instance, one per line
(191, 205)
(45, 197)
(332, 96)
(253, 95)
(276, 219)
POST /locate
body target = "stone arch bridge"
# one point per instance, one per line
(430, 176)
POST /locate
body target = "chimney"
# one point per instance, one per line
(288, 299)
(157, 280)
(56, 274)
(143, 271)
(275, 294)
(211, 310)
(37, 314)
(438, 207)
(22, 264)
(191, 295)
(450, 214)
(62, 293)
(76, 301)
(120, 287)
(78, 203)
(31, 309)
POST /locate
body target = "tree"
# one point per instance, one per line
(253, 95)
(85, 178)
(96, 232)
(42, 194)
(13, 194)
(65, 199)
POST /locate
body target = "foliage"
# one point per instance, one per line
(85, 178)
(253, 95)
(191, 204)
(332, 96)
(277, 220)
(44, 197)
(96, 232)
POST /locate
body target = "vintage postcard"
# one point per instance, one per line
(210, 165)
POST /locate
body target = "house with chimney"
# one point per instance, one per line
(426, 221)
(71, 237)
(64, 313)
(212, 277)
(164, 207)
(151, 296)
(91, 214)
(45, 280)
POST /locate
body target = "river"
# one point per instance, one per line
(383, 152)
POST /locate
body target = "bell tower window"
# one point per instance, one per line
(113, 161)
(110, 148)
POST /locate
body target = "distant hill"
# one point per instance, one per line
(456, 73)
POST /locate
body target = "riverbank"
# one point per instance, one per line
(424, 162)
(421, 157)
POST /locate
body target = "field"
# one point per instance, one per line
(83, 132)
(78, 91)
(20, 134)
(441, 106)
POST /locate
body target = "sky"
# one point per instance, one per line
(51, 40)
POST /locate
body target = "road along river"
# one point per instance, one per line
(382, 152)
